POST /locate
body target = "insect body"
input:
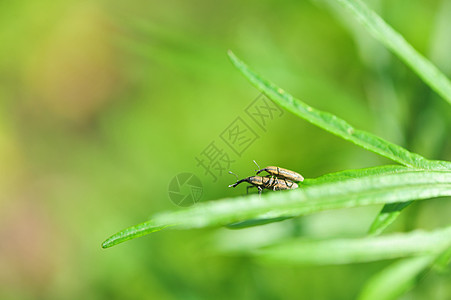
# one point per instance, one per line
(281, 173)
(278, 179)
(269, 183)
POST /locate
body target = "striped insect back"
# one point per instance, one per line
(281, 173)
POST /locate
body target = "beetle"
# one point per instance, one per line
(281, 173)
(270, 183)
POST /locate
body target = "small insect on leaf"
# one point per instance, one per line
(278, 179)
(281, 173)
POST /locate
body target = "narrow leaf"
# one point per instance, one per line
(399, 46)
(396, 279)
(387, 215)
(442, 262)
(402, 276)
(342, 129)
(131, 233)
(328, 178)
(423, 67)
(356, 250)
(357, 173)
(256, 222)
(335, 125)
(369, 190)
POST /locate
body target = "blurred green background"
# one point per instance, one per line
(103, 103)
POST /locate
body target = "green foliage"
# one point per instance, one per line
(356, 250)
(336, 125)
(419, 64)
(393, 186)
(396, 279)
(131, 233)
(387, 184)
(385, 187)
(344, 130)
(399, 46)
(103, 103)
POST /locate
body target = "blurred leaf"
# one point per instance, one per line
(356, 250)
(401, 276)
(396, 279)
(256, 222)
(403, 186)
(399, 46)
(441, 264)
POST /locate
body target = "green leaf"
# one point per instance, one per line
(423, 67)
(328, 178)
(399, 46)
(402, 186)
(356, 173)
(131, 233)
(256, 222)
(390, 211)
(396, 279)
(391, 185)
(442, 262)
(344, 130)
(387, 215)
(356, 250)
(335, 125)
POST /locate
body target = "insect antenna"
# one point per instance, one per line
(230, 172)
(237, 179)
(257, 166)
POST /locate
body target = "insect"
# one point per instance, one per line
(281, 173)
(270, 183)
(278, 179)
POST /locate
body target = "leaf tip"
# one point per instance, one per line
(106, 244)
(235, 60)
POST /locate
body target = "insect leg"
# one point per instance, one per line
(270, 183)
(276, 182)
(249, 187)
(289, 186)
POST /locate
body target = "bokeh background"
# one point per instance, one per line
(102, 103)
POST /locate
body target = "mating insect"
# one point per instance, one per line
(270, 183)
(278, 179)
(281, 173)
